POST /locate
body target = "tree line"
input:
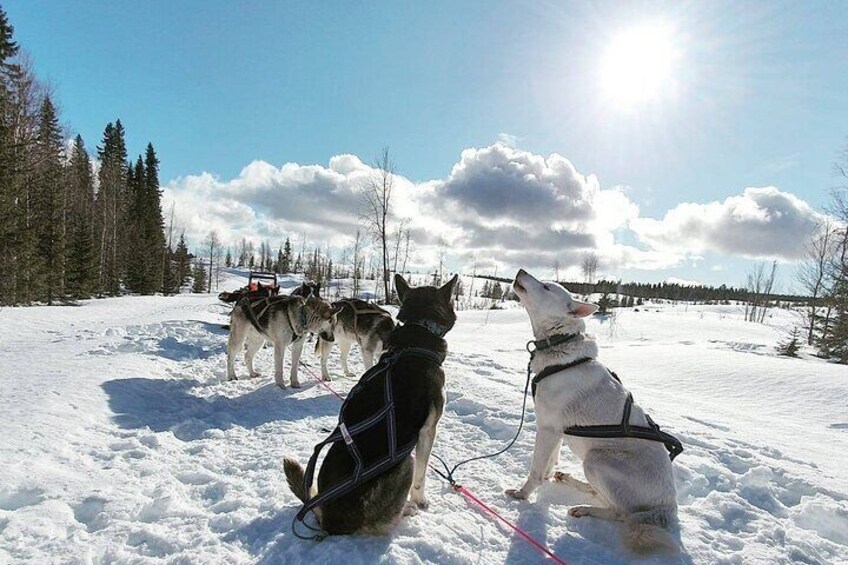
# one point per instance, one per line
(68, 229)
(824, 273)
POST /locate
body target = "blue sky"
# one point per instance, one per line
(759, 92)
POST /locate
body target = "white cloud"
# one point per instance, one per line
(761, 222)
(508, 139)
(681, 282)
(499, 206)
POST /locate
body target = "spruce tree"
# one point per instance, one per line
(8, 50)
(111, 208)
(81, 264)
(199, 274)
(154, 221)
(287, 257)
(137, 260)
(182, 265)
(48, 205)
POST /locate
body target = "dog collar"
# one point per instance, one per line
(434, 328)
(550, 341)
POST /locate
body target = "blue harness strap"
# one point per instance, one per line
(348, 434)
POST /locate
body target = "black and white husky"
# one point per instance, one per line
(630, 478)
(359, 322)
(282, 320)
(376, 505)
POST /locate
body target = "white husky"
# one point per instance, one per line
(631, 478)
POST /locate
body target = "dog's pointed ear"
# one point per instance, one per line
(447, 289)
(401, 286)
(582, 309)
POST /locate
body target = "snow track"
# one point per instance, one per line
(123, 443)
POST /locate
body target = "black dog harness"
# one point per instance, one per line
(268, 302)
(625, 429)
(347, 434)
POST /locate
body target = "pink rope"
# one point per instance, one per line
(321, 382)
(527, 537)
(465, 492)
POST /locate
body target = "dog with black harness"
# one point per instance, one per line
(281, 320)
(359, 322)
(626, 457)
(369, 479)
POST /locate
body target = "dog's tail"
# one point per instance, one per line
(294, 476)
(649, 531)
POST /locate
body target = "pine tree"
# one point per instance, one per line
(228, 261)
(111, 208)
(49, 204)
(182, 264)
(8, 50)
(199, 274)
(137, 258)
(154, 222)
(81, 264)
(287, 257)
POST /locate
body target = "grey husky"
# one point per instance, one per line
(376, 504)
(358, 322)
(282, 320)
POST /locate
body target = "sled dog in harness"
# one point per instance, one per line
(625, 429)
(368, 479)
(348, 435)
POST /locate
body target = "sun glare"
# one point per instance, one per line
(638, 65)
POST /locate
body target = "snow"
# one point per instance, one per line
(122, 441)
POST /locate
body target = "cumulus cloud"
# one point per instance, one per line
(761, 222)
(498, 206)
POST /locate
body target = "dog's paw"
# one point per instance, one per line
(421, 503)
(295, 384)
(517, 494)
(326, 378)
(410, 509)
(580, 511)
(232, 378)
(561, 477)
(255, 375)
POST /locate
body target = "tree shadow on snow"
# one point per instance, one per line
(164, 405)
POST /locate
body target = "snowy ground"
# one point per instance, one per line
(122, 443)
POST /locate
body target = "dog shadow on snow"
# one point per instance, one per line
(164, 405)
(588, 540)
(271, 541)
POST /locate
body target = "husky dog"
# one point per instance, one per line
(282, 320)
(307, 289)
(357, 322)
(376, 505)
(631, 478)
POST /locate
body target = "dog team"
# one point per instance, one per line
(369, 478)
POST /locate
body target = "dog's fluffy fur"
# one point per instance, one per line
(359, 322)
(375, 506)
(632, 478)
(282, 320)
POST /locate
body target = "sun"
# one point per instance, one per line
(638, 65)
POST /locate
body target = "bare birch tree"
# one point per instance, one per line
(376, 210)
